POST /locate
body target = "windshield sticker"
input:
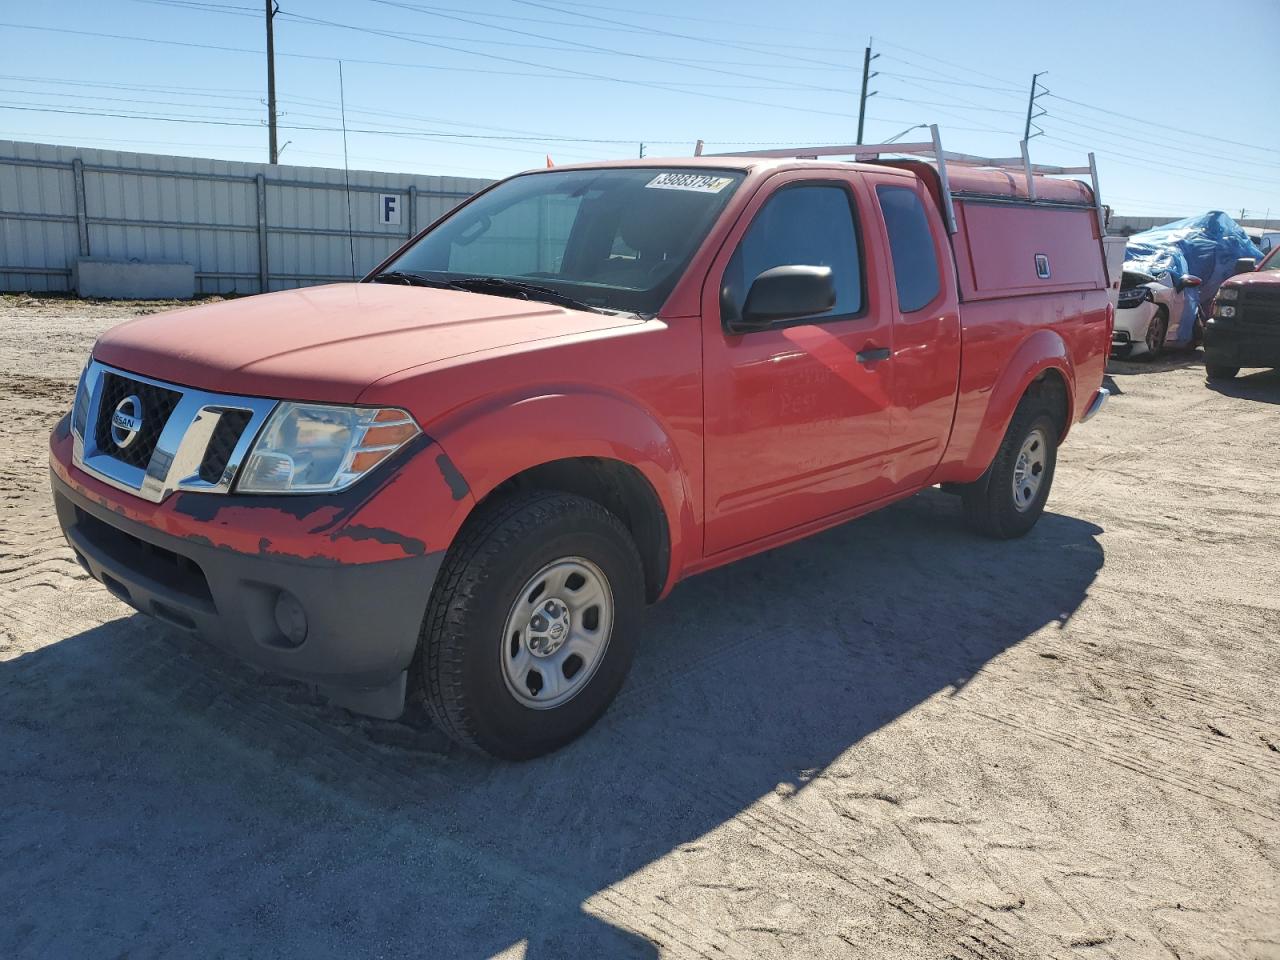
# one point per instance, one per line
(697, 182)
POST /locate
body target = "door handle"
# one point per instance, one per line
(872, 354)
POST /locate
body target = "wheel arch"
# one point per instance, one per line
(599, 446)
(618, 487)
(1041, 366)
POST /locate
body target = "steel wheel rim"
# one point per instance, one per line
(557, 633)
(1029, 469)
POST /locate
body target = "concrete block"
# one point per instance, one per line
(133, 279)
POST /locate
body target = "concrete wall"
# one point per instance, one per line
(244, 227)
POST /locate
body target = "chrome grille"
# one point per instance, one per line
(156, 403)
(217, 455)
(185, 439)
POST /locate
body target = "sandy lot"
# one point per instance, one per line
(893, 740)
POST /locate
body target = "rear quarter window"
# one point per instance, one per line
(915, 260)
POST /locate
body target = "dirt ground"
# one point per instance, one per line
(893, 740)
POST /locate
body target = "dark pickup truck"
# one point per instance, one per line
(1244, 330)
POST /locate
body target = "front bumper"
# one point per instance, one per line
(1129, 337)
(361, 619)
(1231, 343)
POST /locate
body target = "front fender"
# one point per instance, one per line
(1043, 350)
(491, 444)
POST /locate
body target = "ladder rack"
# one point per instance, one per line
(932, 150)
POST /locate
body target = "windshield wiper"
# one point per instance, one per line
(410, 279)
(502, 286)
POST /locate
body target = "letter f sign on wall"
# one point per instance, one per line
(389, 207)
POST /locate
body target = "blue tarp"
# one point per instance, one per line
(1206, 246)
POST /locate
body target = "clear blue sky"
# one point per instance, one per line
(1190, 86)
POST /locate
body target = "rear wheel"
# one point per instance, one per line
(1008, 499)
(1215, 372)
(532, 625)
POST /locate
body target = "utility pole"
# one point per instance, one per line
(272, 9)
(642, 151)
(867, 74)
(1031, 104)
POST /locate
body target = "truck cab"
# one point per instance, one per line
(461, 479)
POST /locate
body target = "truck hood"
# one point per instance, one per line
(1249, 279)
(329, 343)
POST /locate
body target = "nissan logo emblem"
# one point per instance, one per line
(126, 421)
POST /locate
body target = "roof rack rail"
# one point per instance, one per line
(932, 150)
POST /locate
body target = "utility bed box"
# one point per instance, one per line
(133, 280)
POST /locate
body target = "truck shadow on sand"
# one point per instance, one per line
(1174, 358)
(1261, 385)
(159, 803)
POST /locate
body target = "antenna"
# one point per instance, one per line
(346, 169)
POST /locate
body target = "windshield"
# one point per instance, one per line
(615, 238)
(1271, 261)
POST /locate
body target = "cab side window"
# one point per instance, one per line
(800, 225)
(915, 261)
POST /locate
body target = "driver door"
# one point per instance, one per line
(797, 416)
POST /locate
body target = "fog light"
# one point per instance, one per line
(291, 619)
(1225, 311)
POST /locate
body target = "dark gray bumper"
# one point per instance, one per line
(362, 620)
(1237, 345)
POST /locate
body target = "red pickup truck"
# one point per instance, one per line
(463, 477)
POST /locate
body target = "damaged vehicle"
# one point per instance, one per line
(459, 481)
(1191, 257)
(1143, 310)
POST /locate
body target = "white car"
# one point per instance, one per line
(1147, 314)
(1264, 238)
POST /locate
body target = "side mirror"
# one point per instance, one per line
(1246, 265)
(1189, 281)
(786, 293)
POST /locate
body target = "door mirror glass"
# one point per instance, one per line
(787, 293)
(1246, 265)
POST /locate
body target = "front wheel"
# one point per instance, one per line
(1008, 499)
(1157, 330)
(531, 627)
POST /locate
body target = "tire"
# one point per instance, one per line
(466, 660)
(991, 505)
(1215, 372)
(1159, 326)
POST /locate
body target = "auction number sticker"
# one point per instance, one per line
(697, 182)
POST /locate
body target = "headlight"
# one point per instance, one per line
(1228, 293)
(317, 448)
(1134, 296)
(80, 406)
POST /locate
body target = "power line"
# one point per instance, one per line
(566, 70)
(671, 33)
(1168, 169)
(1152, 123)
(953, 106)
(669, 86)
(433, 12)
(936, 80)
